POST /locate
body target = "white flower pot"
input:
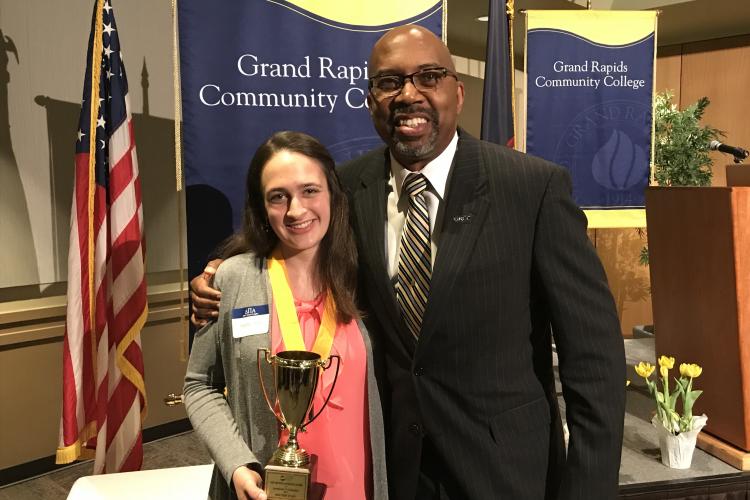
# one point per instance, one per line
(677, 451)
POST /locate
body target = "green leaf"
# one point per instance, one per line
(682, 143)
(643, 256)
(676, 394)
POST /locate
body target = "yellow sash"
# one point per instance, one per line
(287, 313)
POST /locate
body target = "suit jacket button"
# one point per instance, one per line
(419, 371)
(415, 429)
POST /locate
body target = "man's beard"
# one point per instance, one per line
(408, 150)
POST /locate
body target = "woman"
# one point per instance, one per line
(296, 225)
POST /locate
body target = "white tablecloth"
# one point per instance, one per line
(184, 483)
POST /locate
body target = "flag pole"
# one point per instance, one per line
(510, 9)
(184, 327)
(96, 70)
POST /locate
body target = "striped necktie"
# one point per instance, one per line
(414, 261)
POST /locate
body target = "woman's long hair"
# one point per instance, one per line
(337, 255)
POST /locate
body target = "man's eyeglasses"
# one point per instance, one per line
(425, 80)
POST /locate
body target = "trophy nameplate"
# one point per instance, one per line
(287, 483)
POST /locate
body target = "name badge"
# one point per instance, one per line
(253, 320)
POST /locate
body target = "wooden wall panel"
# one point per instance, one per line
(31, 378)
(669, 69)
(30, 395)
(629, 281)
(720, 70)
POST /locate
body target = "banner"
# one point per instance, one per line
(252, 68)
(589, 88)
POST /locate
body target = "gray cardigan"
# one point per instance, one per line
(240, 429)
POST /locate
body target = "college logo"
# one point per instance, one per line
(602, 147)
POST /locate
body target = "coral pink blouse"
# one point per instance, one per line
(340, 436)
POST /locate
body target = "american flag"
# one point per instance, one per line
(104, 397)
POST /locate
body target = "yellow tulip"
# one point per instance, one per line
(666, 361)
(644, 369)
(690, 370)
(664, 371)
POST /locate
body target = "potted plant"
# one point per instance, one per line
(681, 145)
(677, 431)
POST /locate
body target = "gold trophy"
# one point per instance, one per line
(295, 377)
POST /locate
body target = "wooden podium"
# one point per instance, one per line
(699, 253)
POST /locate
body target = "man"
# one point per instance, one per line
(466, 271)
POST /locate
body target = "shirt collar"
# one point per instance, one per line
(436, 171)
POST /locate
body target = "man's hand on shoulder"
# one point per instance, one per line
(204, 297)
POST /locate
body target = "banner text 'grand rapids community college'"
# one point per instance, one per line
(271, 84)
(589, 73)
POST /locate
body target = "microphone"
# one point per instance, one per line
(732, 150)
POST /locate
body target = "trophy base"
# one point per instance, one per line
(287, 483)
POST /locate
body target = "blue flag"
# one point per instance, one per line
(497, 102)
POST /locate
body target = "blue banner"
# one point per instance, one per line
(589, 105)
(255, 67)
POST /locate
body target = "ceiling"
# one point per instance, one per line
(680, 21)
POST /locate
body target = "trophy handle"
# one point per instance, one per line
(325, 366)
(262, 383)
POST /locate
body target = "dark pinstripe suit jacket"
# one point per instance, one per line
(514, 264)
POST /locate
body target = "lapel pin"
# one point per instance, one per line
(462, 219)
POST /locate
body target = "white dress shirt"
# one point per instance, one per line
(436, 172)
